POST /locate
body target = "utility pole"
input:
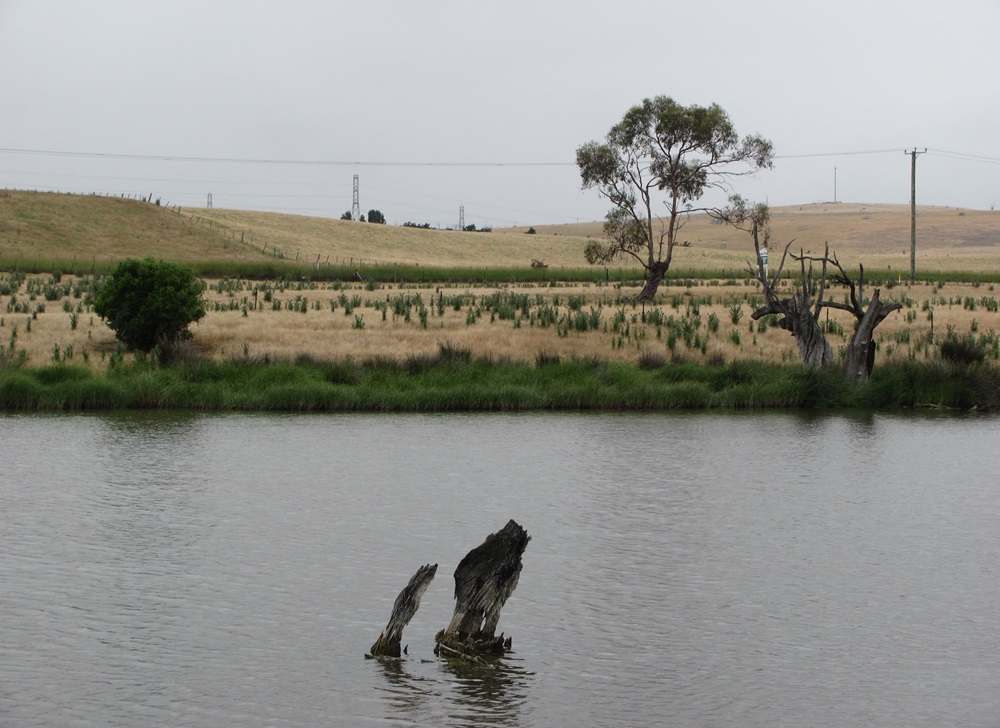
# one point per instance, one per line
(356, 204)
(461, 217)
(209, 203)
(913, 211)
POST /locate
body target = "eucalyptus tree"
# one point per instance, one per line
(654, 167)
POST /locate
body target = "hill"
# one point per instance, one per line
(878, 235)
(61, 227)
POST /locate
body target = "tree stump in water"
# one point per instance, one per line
(484, 580)
(405, 606)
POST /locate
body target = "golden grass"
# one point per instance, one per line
(328, 334)
(50, 226)
(47, 226)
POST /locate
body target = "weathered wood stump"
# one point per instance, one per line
(484, 580)
(405, 606)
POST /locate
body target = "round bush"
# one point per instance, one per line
(149, 303)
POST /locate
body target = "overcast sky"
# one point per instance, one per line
(436, 104)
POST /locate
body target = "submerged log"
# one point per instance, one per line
(406, 605)
(484, 580)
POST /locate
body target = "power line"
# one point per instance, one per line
(963, 156)
(174, 180)
(371, 163)
(360, 163)
(289, 162)
(836, 154)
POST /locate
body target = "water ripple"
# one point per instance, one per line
(231, 570)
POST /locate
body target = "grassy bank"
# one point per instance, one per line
(453, 380)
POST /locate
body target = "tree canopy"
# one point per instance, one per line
(149, 303)
(662, 152)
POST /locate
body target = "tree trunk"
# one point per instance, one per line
(654, 277)
(859, 359)
(484, 580)
(403, 609)
(814, 349)
(797, 318)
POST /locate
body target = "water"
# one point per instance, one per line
(689, 570)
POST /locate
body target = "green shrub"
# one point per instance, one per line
(964, 350)
(150, 303)
(18, 390)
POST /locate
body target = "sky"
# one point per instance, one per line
(440, 105)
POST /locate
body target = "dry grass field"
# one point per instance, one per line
(699, 320)
(50, 226)
(707, 321)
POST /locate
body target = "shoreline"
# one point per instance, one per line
(454, 381)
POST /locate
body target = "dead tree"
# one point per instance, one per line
(405, 606)
(484, 580)
(800, 311)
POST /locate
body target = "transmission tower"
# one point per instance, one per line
(209, 204)
(461, 217)
(356, 205)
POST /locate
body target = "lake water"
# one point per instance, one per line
(685, 569)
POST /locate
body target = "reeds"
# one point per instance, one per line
(455, 380)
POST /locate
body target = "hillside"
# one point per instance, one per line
(60, 227)
(879, 235)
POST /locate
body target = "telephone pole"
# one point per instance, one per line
(913, 210)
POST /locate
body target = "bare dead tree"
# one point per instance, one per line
(800, 312)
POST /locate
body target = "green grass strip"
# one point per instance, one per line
(449, 384)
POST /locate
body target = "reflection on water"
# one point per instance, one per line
(489, 694)
(407, 695)
(469, 694)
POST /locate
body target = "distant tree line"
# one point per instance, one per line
(374, 216)
(377, 217)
